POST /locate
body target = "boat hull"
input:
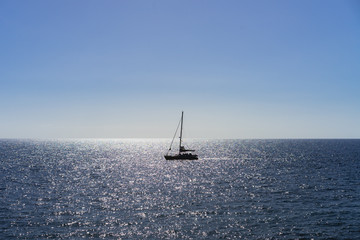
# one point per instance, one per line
(181, 157)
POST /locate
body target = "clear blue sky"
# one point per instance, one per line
(239, 69)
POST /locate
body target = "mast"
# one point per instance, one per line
(181, 128)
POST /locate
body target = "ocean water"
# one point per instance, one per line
(125, 189)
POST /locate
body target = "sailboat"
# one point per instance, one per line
(184, 154)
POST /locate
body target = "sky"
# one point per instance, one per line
(126, 69)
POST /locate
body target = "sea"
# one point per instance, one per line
(125, 189)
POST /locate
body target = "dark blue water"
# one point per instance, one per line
(125, 189)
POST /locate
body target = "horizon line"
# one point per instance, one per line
(164, 138)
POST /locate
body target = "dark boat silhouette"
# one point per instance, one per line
(184, 154)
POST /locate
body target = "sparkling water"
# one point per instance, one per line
(125, 189)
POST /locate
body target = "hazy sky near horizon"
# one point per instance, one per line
(239, 69)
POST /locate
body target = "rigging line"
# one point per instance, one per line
(174, 135)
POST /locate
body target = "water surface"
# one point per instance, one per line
(243, 189)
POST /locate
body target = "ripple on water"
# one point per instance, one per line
(262, 189)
